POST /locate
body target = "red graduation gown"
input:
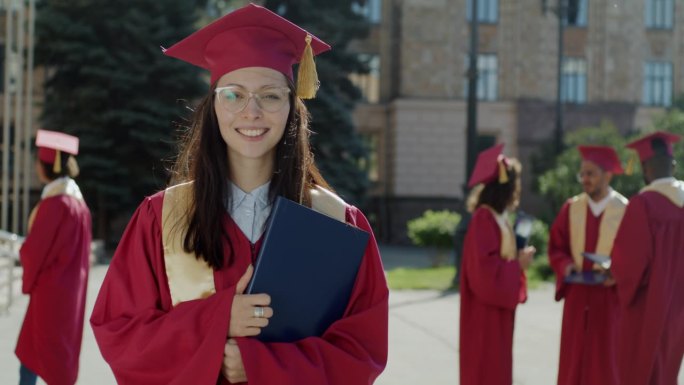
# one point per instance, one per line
(648, 265)
(146, 341)
(590, 313)
(55, 259)
(491, 288)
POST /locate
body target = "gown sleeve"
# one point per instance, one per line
(144, 339)
(632, 251)
(560, 256)
(494, 280)
(352, 351)
(39, 241)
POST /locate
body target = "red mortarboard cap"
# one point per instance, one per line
(49, 142)
(644, 146)
(487, 165)
(251, 36)
(603, 156)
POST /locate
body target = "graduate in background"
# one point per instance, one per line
(588, 223)
(648, 267)
(171, 309)
(55, 260)
(493, 280)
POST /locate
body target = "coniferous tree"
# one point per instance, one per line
(338, 148)
(108, 82)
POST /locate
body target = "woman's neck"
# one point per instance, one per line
(248, 174)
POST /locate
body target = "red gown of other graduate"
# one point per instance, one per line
(55, 259)
(589, 331)
(648, 265)
(146, 341)
(491, 288)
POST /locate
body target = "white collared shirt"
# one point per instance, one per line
(597, 208)
(250, 210)
(666, 180)
(70, 189)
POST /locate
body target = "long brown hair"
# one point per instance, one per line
(203, 159)
(501, 195)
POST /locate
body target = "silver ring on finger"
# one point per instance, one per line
(258, 312)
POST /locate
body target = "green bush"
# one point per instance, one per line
(434, 229)
(539, 238)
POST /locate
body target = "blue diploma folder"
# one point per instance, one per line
(307, 264)
(586, 278)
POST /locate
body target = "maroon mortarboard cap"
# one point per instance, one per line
(488, 166)
(603, 156)
(644, 146)
(49, 142)
(251, 36)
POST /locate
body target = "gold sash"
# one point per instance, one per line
(508, 250)
(60, 187)
(674, 191)
(612, 216)
(192, 278)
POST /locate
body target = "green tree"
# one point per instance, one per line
(339, 149)
(109, 83)
(560, 182)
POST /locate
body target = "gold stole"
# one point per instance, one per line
(57, 189)
(190, 277)
(610, 222)
(673, 191)
(508, 250)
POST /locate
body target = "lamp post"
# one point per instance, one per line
(564, 10)
(558, 137)
(471, 118)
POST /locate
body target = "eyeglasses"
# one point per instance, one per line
(235, 99)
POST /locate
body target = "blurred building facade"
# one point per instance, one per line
(622, 62)
(20, 97)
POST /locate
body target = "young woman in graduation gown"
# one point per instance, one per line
(493, 280)
(171, 309)
(55, 261)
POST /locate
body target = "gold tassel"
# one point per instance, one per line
(307, 77)
(629, 170)
(57, 167)
(503, 175)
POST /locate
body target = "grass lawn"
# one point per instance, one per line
(434, 278)
(439, 278)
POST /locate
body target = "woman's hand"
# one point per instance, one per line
(525, 256)
(570, 269)
(232, 368)
(250, 312)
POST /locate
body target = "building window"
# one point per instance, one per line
(576, 13)
(487, 79)
(2, 68)
(487, 11)
(368, 83)
(574, 80)
(659, 14)
(657, 83)
(371, 10)
(370, 164)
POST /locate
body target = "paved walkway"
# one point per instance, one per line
(423, 334)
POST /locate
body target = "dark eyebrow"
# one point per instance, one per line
(264, 87)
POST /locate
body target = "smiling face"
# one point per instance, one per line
(252, 133)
